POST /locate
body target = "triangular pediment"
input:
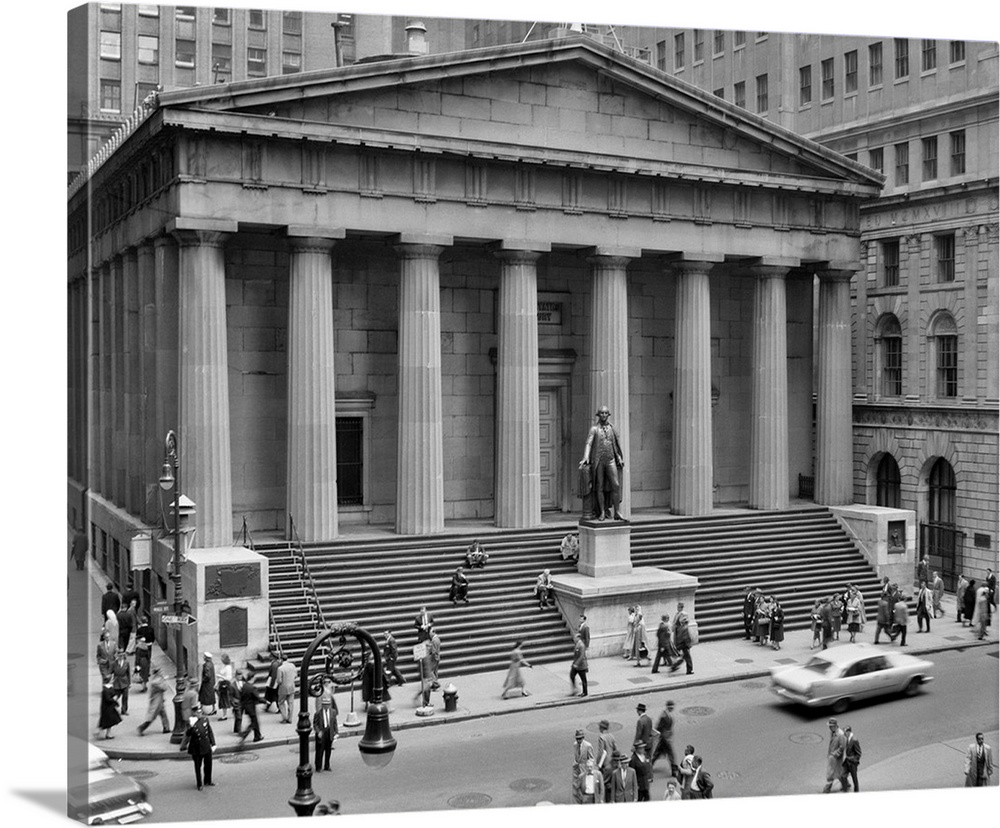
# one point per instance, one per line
(570, 101)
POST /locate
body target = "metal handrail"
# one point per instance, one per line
(274, 631)
(247, 536)
(303, 564)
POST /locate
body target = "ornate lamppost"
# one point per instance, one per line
(170, 478)
(377, 745)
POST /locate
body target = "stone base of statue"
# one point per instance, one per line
(606, 584)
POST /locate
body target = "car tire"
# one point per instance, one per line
(840, 706)
(912, 686)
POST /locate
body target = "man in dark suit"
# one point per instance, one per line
(701, 782)
(750, 610)
(665, 744)
(682, 639)
(643, 771)
(249, 699)
(423, 623)
(852, 757)
(643, 728)
(624, 787)
(584, 631)
(390, 655)
(663, 646)
(121, 679)
(110, 600)
(325, 725)
(199, 742)
(237, 693)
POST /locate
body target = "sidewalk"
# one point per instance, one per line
(479, 694)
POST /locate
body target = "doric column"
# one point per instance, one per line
(151, 448)
(117, 425)
(165, 297)
(131, 383)
(204, 378)
(691, 461)
(518, 483)
(609, 348)
(769, 392)
(420, 448)
(311, 481)
(101, 425)
(834, 454)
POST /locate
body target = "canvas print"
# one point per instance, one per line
(483, 413)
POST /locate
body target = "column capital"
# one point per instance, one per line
(419, 239)
(519, 246)
(311, 244)
(763, 271)
(305, 231)
(199, 233)
(836, 274)
(603, 251)
(682, 265)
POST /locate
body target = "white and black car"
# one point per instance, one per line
(839, 676)
(99, 795)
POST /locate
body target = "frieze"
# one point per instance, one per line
(940, 211)
(232, 581)
(937, 418)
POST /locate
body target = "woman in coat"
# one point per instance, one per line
(762, 629)
(225, 686)
(963, 585)
(111, 628)
(109, 710)
(514, 679)
(969, 605)
(206, 691)
(640, 649)
(981, 612)
(855, 613)
(777, 624)
(629, 634)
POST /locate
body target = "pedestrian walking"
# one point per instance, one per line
(883, 618)
(664, 742)
(78, 550)
(544, 590)
(981, 614)
(762, 621)
(923, 570)
(838, 613)
(583, 752)
(111, 629)
(924, 607)
(640, 649)
(584, 630)
(961, 587)
(750, 611)
(514, 680)
(128, 620)
(643, 728)
(459, 588)
(855, 606)
(390, 655)
(579, 666)
(665, 651)
(606, 749)
(900, 619)
(434, 652)
(591, 785)
(234, 698)
(325, 727)
(777, 624)
(224, 688)
(826, 616)
(852, 757)
(701, 781)
(937, 593)
(629, 634)
(643, 770)
(121, 679)
(157, 702)
(816, 623)
(682, 639)
(199, 744)
(110, 600)
(144, 638)
(249, 699)
(969, 601)
(624, 787)
(686, 771)
(991, 585)
(978, 764)
(835, 758)
(286, 689)
(271, 687)
(109, 715)
(206, 690)
(106, 650)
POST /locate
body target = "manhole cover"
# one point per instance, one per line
(744, 661)
(595, 727)
(238, 758)
(805, 738)
(640, 680)
(74, 655)
(530, 785)
(697, 711)
(140, 774)
(727, 774)
(752, 685)
(470, 800)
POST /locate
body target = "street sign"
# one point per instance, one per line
(420, 651)
(180, 620)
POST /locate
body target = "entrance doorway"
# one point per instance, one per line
(550, 444)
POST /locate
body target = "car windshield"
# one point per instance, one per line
(818, 665)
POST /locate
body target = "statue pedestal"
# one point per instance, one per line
(606, 585)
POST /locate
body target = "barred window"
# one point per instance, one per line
(875, 64)
(930, 158)
(890, 262)
(902, 164)
(679, 51)
(958, 152)
(902, 57)
(851, 72)
(944, 247)
(928, 56)
(805, 85)
(826, 71)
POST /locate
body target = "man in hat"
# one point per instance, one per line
(624, 787)
(390, 655)
(835, 752)
(606, 749)
(325, 725)
(121, 679)
(157, 694)
(579, 666)
(249, 699)
(582, 751)
(682, 639)
(644, 728)
(664, 744)
(199, 743)
(750, 610)
(664, 646)
(643, 770)
(286, 689)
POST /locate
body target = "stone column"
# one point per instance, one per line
(834, 449)
(609, 349)
(420, 448)
(518, 483)
(101, 363)
(116, 435)
(206, 469)
(165, 297)
(131, 382)
(691, 462)
(311, 481)
(151, 449)
(769, 392)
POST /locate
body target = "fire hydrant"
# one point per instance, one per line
(450, 694)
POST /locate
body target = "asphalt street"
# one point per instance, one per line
(752, 743)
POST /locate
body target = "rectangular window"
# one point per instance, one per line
(958, 152)
(699, 45)
(256, 62)
(890, 263)
(740, 94)
(956, 51)
(661, 55)
(928, 56)
(761, 35)
(256, 19)
(875, 64)
(761, 93)
(291, 62)
(184, 52)
(944, 249)
(826, 72)
(222, 62)
(739, 39)
(350, 461)
(947, 365)
(111, 45)
(679, 51)
(719, 42)
(111, 96)
(184, 12)
(149, 49)
(902, 164)
(291, 23)
(930, 158)
(850, 72)
(805, 85)
(111, 16)
(902, 57)
(149, 11)
(221, 17)
(875, 160)
(892, 366)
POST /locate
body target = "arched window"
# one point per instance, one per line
(941, 493)
(940, 537)
(889, 353)
(944, 355)
(887, 482)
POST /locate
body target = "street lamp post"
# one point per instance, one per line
(170, 478)
(377, 745)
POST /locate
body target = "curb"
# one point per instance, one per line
(446, 718)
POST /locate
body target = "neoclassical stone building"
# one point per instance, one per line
(397, 292)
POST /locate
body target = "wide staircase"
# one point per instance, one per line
(796, 555)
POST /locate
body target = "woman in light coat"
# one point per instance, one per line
(639, 645)
(111, 628)
(629, 634)
(981, 613)
(855, 613)
(514, 679)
